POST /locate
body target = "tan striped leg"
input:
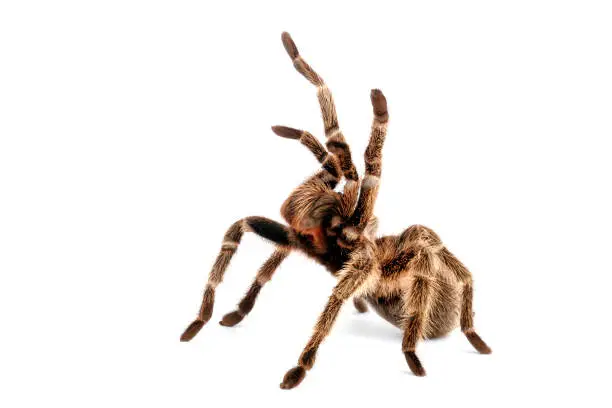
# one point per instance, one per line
(354, 276)
(331, 170)
(467, 320)
(464, 276)
(318, 188)
(307, 139)
(264, 227)
(263, 275)
(373, 163)
(348, 199)
(416, 306)
(336, 143)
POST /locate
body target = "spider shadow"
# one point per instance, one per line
(373, 327)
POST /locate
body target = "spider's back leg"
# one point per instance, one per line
(464, 276)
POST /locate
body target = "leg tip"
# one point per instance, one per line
(293, 378)
(415, 364)
(192, 330)
(421, 373)
(379, 103)
(287, 132)
(478, 343)
(289, 45)
(376, 93)
(231, 319)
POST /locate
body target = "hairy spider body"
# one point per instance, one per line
(410, 279)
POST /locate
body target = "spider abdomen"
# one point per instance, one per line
(416, 255)
(442, 316)
(389, 308)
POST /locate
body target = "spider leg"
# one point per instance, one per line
(360, 202)
(317, 190)
(264, 227)
(263, 275)
(354, 278)
(331, 170)
(307, 139)
(373, 163)
(335, 139)
(416, 304)
(467, 316)
(350, 193)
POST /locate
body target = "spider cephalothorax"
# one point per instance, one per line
(410, 279)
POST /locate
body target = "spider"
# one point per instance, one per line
(410, 279)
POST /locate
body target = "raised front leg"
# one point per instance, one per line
(331, 172)
(354, 277)
(373, 163)
(335, 139)
(331, 167)
(336, 142)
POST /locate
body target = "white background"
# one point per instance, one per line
(134, 133)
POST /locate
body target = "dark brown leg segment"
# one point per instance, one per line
(264, 274)
(264, 227)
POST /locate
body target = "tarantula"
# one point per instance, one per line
(410, 279)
